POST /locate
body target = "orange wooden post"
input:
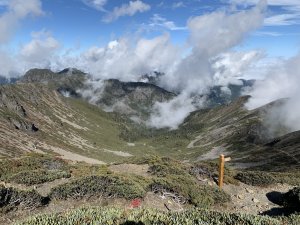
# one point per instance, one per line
(221, 170)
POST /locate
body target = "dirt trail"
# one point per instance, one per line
(192, 143)
(71, 156)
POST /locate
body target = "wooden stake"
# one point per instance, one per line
(221, 170)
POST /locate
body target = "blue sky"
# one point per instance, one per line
(79, 22)
(46, 33)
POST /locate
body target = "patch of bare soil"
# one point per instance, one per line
(141, 170)
(255, 200)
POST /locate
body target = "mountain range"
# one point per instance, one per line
(44, 111)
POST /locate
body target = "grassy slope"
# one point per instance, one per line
(76, 126)
(241, 132)
(66, 123)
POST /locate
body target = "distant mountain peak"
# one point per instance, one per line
(70, 71)
(38, 75)
(151, 78)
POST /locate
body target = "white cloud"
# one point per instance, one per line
(283, 20)
(123, 60)
(178, 5)
(40, 50)
(195, 72)
(270, 2)
(159, 21)
(16, 10)
(268, 33)
(127, 10)
(290, 11)
(230, 66)
(282, 81)
(96, 4)
(8, 65)
(172, 113)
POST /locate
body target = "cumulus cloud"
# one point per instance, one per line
(8, 65)
(126, 61)
(96, 4)
(172, 113)
(129, 9)
(16, 10)
(281, 82)
(211, 35)
(231, 66)
(40, 50)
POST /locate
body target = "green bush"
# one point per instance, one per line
(86, 216)
(106, 186)
(38, 176)
(291, 178)
(189, 191)
(29, 165)
(291, 199)
(11, 198)
(177, 180)
(256, 178)
(165, 166)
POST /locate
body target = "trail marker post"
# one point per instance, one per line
(221, 169)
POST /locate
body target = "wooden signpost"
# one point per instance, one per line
(221, 169)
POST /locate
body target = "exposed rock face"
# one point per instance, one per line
(66, 82)
(13, 111)
(38, 75)
(132, 98)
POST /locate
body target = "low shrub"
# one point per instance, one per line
(30, 166)
(38, 176)
(188, 191)
(109, 186)
(81, 169)
(166, 166)
(256, 178)
(11, 198)
(177, 180)
(117, 216)
(291, 178)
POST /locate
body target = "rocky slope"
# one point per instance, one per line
(131, 98)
